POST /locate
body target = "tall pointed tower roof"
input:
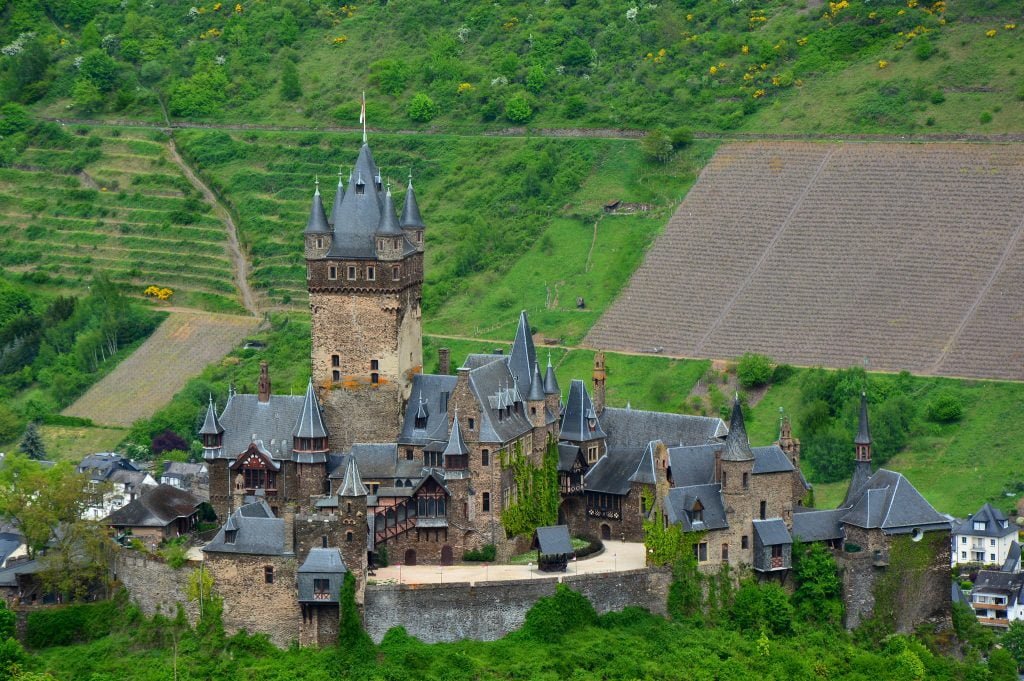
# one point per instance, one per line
(211, 424)
(550, 382)
(411, 211)
(310, 423)
(358, 216)
(523, 355)
(579, 421)
(536, 393)
(317, 223)
(863, 430)
(388, 225)
(456, 445)
(737, 445)
(339, 194)
(352, 484)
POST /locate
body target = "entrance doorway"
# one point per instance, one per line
(446, 555)
(410, 556)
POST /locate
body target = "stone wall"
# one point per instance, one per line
(488, 611)
(155, 586)
(251, 603)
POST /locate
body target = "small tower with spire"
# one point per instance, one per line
(862, 453)
(734, 462)
(552, 393)
(411, 222)
(599, 380)
(391, 242)
(339, 195)
(535, 399)
(318, 233)
(212, 432)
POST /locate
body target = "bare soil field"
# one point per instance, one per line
(910, 256)
(178, 350)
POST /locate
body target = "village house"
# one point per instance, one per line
(116, 480)
(156, 515)
(985, 538)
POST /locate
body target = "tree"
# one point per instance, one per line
(421, 108)
(203, 94)
(657, 146)
(10, 424)
(762, 607)
(31, 444)
(353, 641)
(754, 370)
(86, 96)
(945, 407)
(818, 594)
(13, 118)
(100, 69)
(1002, 666)
(518, 109)
(1013, 641)
(168, 441)
(291, 89)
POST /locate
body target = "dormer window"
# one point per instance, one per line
(979, 525)
(229, 536)
(360, 187)
(697, 512)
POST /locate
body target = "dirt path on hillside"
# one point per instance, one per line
(241, 263)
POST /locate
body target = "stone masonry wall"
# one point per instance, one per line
(153, 585)
(488, 611)
(252, 604)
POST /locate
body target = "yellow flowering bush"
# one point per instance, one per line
(340, 40)
(713, 70)
(745, 49)
(211, 33)
(1009, 27)
(801, 41)
(758, 94)
(159, 293)
(882, 63)
(464, 87)
(238, 8)
(991, 33)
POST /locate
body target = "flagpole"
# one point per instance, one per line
(362, 117)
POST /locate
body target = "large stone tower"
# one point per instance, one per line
(365, 278)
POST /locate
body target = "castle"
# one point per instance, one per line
(378, 458)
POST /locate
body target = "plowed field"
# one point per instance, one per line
(911, 256)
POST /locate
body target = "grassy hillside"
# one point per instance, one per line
(705, 63)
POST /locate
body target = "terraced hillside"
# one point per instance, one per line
(911, 256)
(111, 200)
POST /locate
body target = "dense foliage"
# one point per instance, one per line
(537, 493)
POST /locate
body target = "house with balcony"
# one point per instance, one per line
(997, 598)
(984, 537)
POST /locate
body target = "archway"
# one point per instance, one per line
(410, 556)
(606, 531)
(446, 555)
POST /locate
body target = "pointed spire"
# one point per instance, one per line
(863, 430)
(310, 423)
(362, 117)
(411, 211)
(536, 385)
(456, 445)
(421, 407)
(550, 382)
(352, 485)
(211, 424)
(388, 225)
(317, 223)
(523, 355)
(339, 194)
(737, 446)
(580, 422)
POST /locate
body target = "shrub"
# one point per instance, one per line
(553, 616)
(483, 555)
(518, 109)
(168, 441)
(391, 75)
(754, 370)
(924, 48)
(681, 137)
(72, 623)
(985, 117)
(762, 607)
(291, 89)
(945, 407)
(421, 108)
(657, 146)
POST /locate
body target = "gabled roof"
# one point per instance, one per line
(737, 445)
(102, 465)
(567, 455)
(1002, 583)
(310, 423)
(324, 560)
(245, 418)
(813, 525)
(681, 500)
(358, 216)
(692, 465)
(523, 355)
(211, 424)
(772, 532)
(771, 459)
(636, 427)
(889, 502)
(257, 532)
(579, 412)
(554, 541)
(492, 380)
(996, 523)
(317, 223)
(411, 211)
(352, 484)
(432, 389)
(613, 472)
(156, 507)
(339, 194)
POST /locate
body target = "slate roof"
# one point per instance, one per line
(352, 484)
(490, 381)
(388, 225)
(579, 410)
(813, 525)
(523, 355)
(9, 575)
(680, 502)
(889, 502)
(550, 381)
(863, 430)
(310, 423)
(258, 532)
(321, 563)
(324, 560)
(645, 469)
(156, 507)
(100, 466)
(358, 216)
(737, 445)
(554, 541)
(567, 454)
(339, 194)
(536, 385)
(771, 459)
(411, 211)
(692, 465)
(635, 428)
(183, 470)
(245, 418)
(860, 477)
(772, 532)
(9, 543)
(1011, 564)
(317, 222)
(996, 523)
(611, 474)
(211, 424)
(456, 445)
(1002, 583)
(376, 460)
(431, 389)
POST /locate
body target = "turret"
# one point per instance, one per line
(212, 432)
(552, 393)
(456, 453)
(310, 434)
(535, 399)
(734, 462)
(318, 233)
(411, 221)
(389, 236)
(862, 452)
(599, 379)
(339, 195)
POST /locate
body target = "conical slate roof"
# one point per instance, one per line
(310, 423)
(358, 216)
(388, 225)
(317, 223)
(411, 211)
(456, 445)
(579, 412)
(550, 382)
(352, 485)
(339, 194)
(536, 386)
(211, 424)
(863, 431)
(737, 446)
(523, 355)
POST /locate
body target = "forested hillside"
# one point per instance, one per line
(802, 65)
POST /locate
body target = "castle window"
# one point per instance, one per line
(348, 507)
(744, 542)
(335, 360)
(419, 237)
(396, 272)
(700, 552)
(725, 553)
(371, 273)
(351, 273)
(336, 376)
(533, 411)
(432, 459)
(746, 480)
(592, 454)
(472, 424)
(332, 272)
(374, 364)
(268, 574)
(485, 458)
(408, 454)
(776, 550)
(323, 541)
(697, 512)
(487, 502)
(319, 242)
(764, 508)
(229, 536)
(723, 480)
(380, 244)
(360, 187)
(321, 589)
(375, 378)
(348, 536)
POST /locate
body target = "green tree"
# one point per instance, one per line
(421, 108)
(31, 444)
(202, 94)
(518, 109)
(818, 594)
(762, 607)
(291, 89)
(1013, 642)
(681, 137)
(101, 69)
(945, 407)
(754, 370)
(552, 617)
(353, 641)
(391, 75)
(657, 146)
(1002, 666)
(536, 78)
(10, 424)
(13, 118)
(86, 96)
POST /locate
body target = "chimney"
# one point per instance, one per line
(264, 384)
(444, 361)
(238, 494)
(599, 378)
(289, 528)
